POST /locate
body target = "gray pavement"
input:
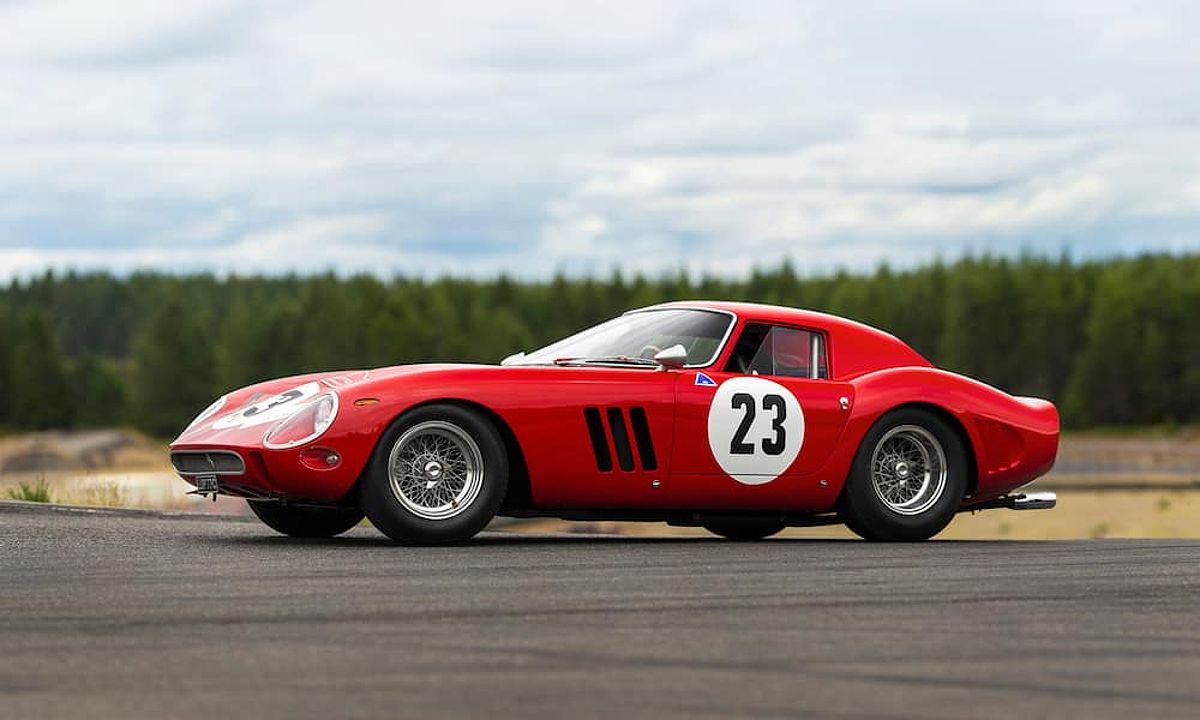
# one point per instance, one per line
(136, 615)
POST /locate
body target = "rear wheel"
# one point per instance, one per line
(908, 478)
(438, 476)
(306, 522)
(744, 530)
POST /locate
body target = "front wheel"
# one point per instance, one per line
(908, 478)
(438, 476)
(304, 521)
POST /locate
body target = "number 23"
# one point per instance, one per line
(771, 445)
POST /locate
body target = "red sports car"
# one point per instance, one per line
(743, 419)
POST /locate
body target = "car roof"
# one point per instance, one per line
(855, 348)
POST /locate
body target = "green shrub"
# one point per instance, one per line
(37, 491)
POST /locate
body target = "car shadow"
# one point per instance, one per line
(511, 539)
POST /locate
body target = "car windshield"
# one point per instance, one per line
(637, 337)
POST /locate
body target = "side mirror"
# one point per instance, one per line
(673, 357)
(513, 359)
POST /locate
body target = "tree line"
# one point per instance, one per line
(1112, 342)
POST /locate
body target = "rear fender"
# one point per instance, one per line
(1010, 441)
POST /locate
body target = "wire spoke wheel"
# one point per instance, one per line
(435, 470)
(908, 470)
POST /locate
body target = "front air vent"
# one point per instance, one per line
(208, 462)
(619, 430)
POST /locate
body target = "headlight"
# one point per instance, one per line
(208, 413)
(305, 425)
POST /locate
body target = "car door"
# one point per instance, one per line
(594, 437)
(756, 433)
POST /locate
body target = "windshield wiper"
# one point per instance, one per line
(607, 360)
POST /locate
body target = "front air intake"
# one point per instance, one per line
(208, 462)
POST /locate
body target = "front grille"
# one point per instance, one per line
(211, 462)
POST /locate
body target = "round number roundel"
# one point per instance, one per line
(755, 429)
(270, 409)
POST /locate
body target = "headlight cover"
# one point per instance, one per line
(207, 413)
(305, 425)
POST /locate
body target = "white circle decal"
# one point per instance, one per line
(755, 429)
(269, 410)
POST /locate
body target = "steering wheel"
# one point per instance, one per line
(649, 351)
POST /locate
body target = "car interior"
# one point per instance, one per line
(781, 351)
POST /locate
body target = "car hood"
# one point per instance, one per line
(246, 414)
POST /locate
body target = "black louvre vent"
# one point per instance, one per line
(616, 422)
(619, 431)
(641, 433)
(599, 440)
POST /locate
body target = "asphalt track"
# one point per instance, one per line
(128, 615)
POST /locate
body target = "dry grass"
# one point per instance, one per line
(35, 491)
(161, 490)
(93, 492)
(97, 493)
(1113, 514)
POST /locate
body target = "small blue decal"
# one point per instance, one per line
(702, 379)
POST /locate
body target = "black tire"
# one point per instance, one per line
(863, 508)
(404, 523)
(744, 530)
(306, 522)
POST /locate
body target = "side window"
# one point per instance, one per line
(782, 351)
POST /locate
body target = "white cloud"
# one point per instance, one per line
(529, 136)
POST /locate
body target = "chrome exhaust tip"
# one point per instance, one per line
(1033, 501)
(1020, 501)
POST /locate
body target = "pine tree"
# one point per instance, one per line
(40, 397)
(174, 363)
(100, 397)
(7, 336)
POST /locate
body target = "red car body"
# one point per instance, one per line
(660, 464)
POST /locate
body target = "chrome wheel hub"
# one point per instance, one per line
(908, 470)
(435, 470)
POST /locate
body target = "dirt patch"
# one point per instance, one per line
(80, 450)
(1099, 455)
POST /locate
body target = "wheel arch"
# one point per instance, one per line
(954, 423)
(519, 493)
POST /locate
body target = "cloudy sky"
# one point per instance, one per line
(475, 137)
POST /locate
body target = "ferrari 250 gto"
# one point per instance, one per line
(742, 419)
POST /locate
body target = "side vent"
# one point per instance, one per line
(616, 423)
(599, 441)
(619, 431)
(641, 432)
